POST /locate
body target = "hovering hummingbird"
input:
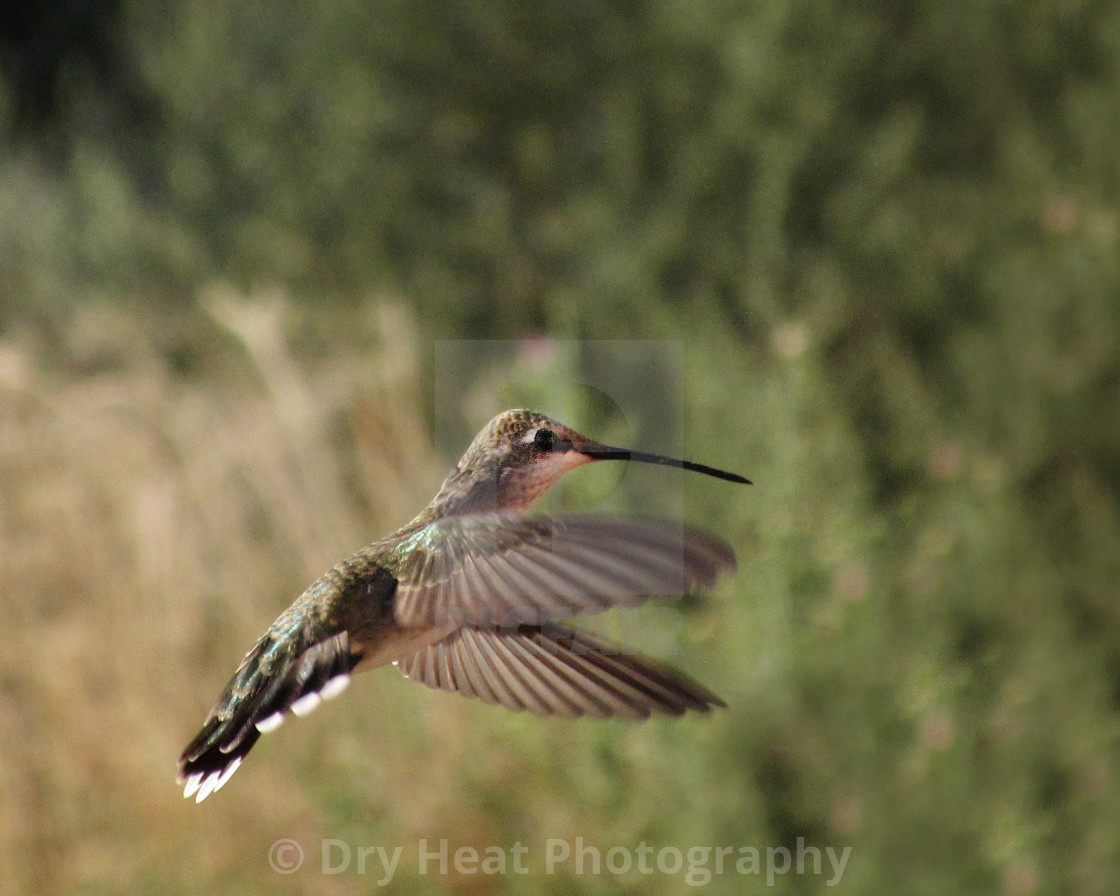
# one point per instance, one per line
(467, 596)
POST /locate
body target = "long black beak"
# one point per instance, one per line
(605, 452)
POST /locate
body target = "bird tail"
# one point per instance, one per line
(270, 682)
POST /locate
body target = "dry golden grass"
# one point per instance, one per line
(150, 524)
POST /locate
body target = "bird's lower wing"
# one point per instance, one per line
(270, 682)
(554, 671)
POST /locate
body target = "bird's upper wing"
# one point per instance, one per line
(506, 569)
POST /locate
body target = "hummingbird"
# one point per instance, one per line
(471, 597)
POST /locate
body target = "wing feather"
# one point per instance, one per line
(551, 670)
(506, 569)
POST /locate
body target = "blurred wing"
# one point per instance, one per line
(508, 569)
(554, 671)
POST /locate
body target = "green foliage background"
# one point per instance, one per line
(887, 237)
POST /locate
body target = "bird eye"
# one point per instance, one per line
(545, 439)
